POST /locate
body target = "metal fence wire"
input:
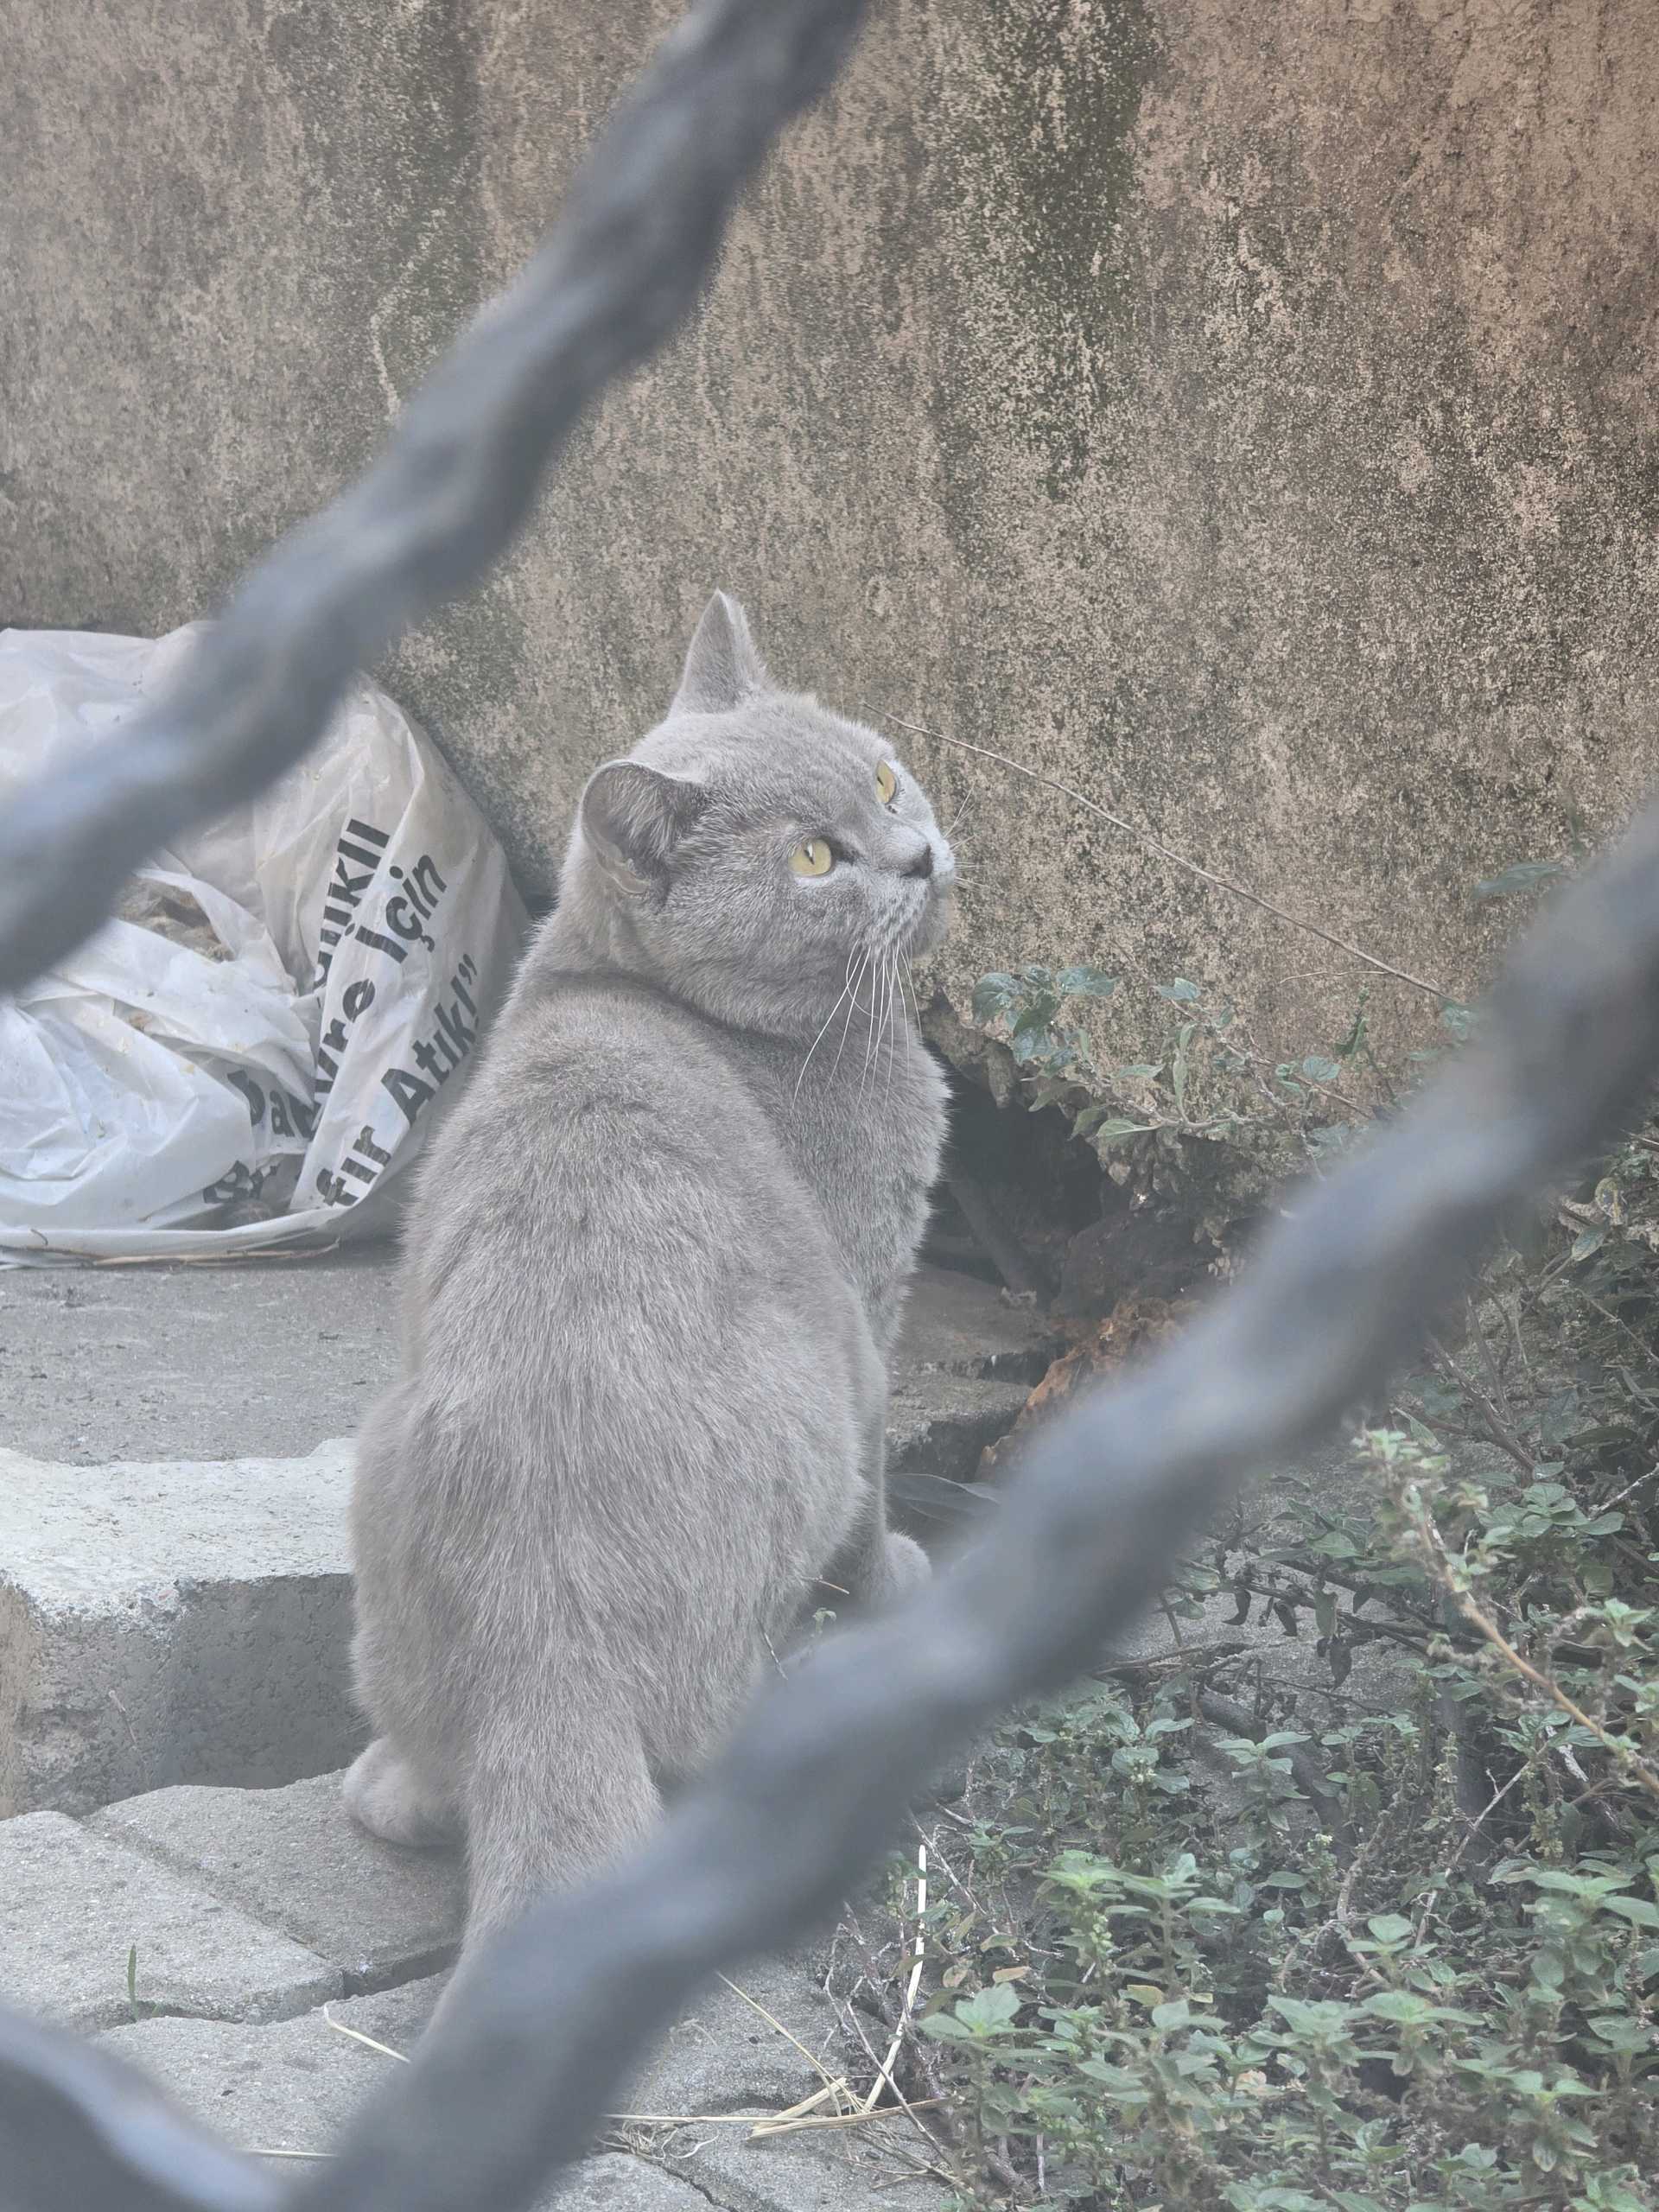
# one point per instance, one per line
(548, 2024)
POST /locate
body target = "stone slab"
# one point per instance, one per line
(99, 1364)
(722, 2057)
(380, 1913)
(964, 1364)
(171, 1622)
(295, 2086)
(292, 2086)
(187, 1621)
(938, 1422)
(615, 2182)
(194, 1362)
(73, 1905)
(725, 2058)
(808, 2173)
(954, 1322)
(726, 2055)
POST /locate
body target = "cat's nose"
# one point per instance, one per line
(923, 863)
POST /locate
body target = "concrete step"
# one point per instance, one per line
(378, 1915)
(681, 2141)
(251, 1910)
(75, 1908)
(170, 1621)
(187, 1621)
(744, 2048)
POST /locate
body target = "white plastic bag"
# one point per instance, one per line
(252, 1057)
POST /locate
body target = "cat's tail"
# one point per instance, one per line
(558, 1786)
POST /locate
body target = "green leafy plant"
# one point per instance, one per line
(1381, 1931)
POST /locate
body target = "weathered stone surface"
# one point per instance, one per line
(187, 1622)
(956, 1323)
(180, 1362)
(616, 2182)
(292, 2086)
(1251, 424)
(939, 1423)
(87, 1358)
(963, 1368)
(73, 1907)
(379, 1913)
(295, 2085)
(817, 2171)
(171, 1622)
(725, 2056)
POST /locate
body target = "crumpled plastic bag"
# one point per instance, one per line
(251, 1054)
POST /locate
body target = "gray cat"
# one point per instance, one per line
(654, 1270)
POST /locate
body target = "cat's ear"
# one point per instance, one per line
(723, 668)
(632, 820)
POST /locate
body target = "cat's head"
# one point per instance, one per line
(755, 852)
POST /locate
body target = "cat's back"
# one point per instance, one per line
(611, 1171)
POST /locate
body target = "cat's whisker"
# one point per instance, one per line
(899, 1024)
(881, 1028)
(870, 1042)
(914, 1011)
(889, 980)
(846, 1026)
(819, 1039)
(898, 1018)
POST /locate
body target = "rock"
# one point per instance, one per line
(957, 1324)
(963, 1367)
(73, 1906)
(295, 2086)
(818, 2171)
(726, 2055)
(171, 1622)
(939, 1423)
(614, 2182)
(380, 1913)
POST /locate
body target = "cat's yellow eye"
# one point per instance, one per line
(813, 858)
(886, 782)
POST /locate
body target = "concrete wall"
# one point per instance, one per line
(1244, 412)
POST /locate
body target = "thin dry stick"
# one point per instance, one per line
(891, 2058)
(911, 2106)
(866, 2115)
(802, 2108)
(1179, 860)
(358, 2036)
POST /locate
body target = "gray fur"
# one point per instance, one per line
(654, 1270)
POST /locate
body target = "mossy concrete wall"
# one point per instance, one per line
(1245, 413)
